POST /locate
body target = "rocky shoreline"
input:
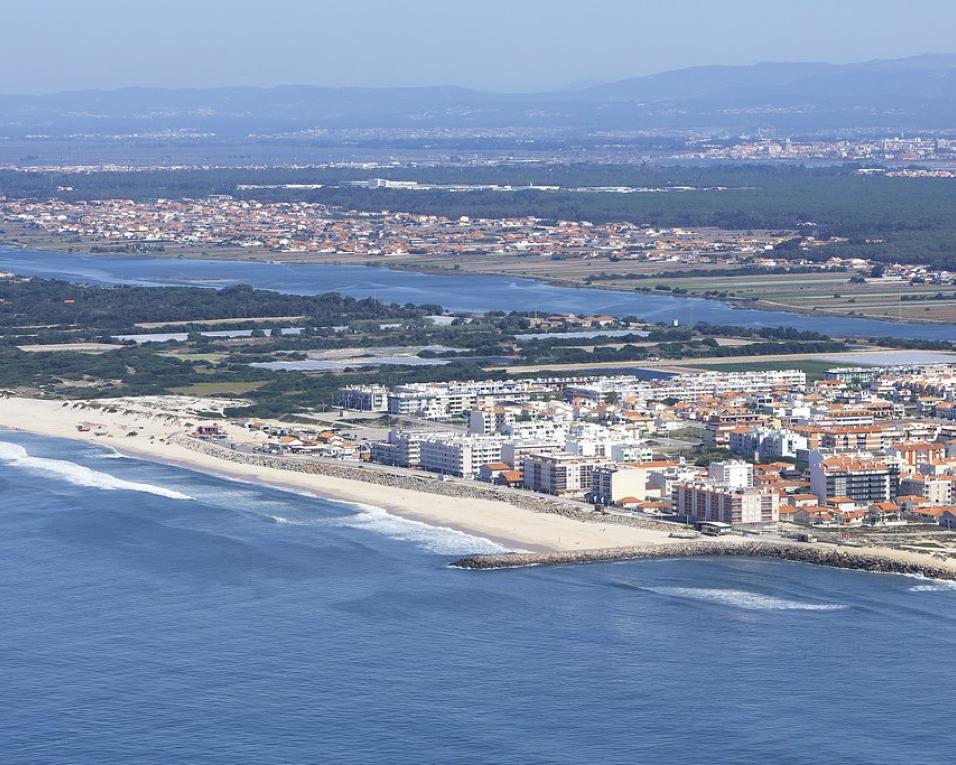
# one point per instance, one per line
(422, 483)
(817, 554)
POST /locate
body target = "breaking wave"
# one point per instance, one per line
(78, 475)
(938, 586)
(751, 601)
(436, 539)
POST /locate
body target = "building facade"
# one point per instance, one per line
(708, 502)
(863, 478)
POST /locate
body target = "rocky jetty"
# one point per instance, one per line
(822, 555)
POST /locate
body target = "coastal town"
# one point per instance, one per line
(309, 228)
(899, 148)
(747, 266)
(867, 448)
(431, 383)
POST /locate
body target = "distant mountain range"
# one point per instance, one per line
(918, 92)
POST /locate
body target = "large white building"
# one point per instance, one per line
(513, 452)
(403, 447)
(610, 484)
(692, 387)
(735, 473)
(767, 443)
(939, 490)
(489, 421)
(448, 399)
(460, 456)
(365, 398)
(559, 473)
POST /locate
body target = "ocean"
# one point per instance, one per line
(153, 614)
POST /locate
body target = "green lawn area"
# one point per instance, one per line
(209, 358)
(218, 388)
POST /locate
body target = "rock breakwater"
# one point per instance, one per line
(886, 562)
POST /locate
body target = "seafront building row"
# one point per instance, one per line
(744, 449)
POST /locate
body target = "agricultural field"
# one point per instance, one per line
(821, 293)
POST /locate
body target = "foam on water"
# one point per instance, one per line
(114, 455)
(751, 601)
(928, 584)
(938, 586)
(436, 539)
(79, 475)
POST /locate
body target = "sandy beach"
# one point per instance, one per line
(141, 428)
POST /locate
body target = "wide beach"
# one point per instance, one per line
(154, 423)
(151, 428)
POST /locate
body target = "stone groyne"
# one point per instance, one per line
(429, 484)
(816, 553)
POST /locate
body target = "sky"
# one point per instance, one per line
(502, 45)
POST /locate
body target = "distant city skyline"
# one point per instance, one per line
(57, 45)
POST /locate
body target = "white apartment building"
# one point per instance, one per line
(734, 473)
(560, 474)
(939, 490)
(767, 443)
(403, 447)
(612, 483)
(364, 398)
(661, 479)
(460, 456)
(429, 406)
(689, 387)
(861, 477)
(440, 400)
(542, 430)
(514, 452)
(490, 421)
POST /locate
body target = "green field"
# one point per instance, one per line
(218, 388)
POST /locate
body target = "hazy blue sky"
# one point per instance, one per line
(51, 45)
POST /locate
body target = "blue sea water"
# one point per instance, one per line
(151, 614)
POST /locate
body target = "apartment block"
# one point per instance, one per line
(560, 474)
(364, 398)
(705, 501)
(863, 478)
(612, 483)
(460, 456)
(736, 473)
